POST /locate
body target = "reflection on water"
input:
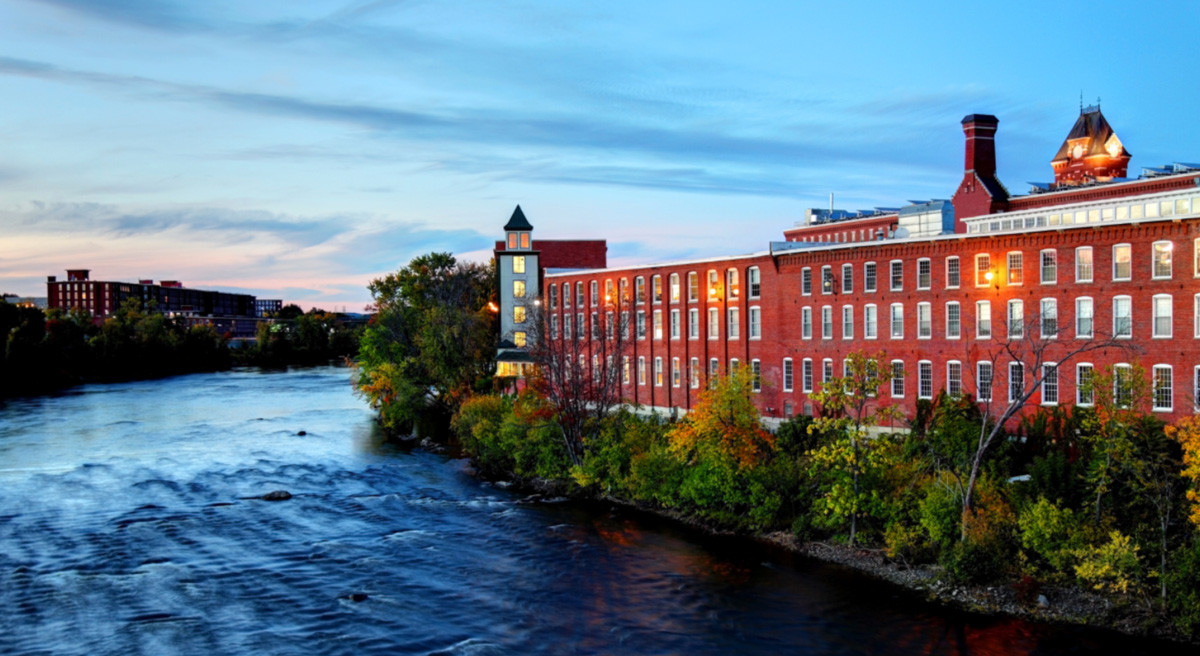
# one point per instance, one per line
(126, 528)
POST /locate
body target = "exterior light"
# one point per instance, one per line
(988, 276)
(493, 308)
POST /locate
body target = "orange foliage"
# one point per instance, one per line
(726, 421)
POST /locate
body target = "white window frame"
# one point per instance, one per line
(896, 323)
(693, 323)
(1014, 391)
(897, 380)
(1091, 265)
(924, 379)
(896, 276)
(983, 326)
(870, 321)
(1116, 332)
(1155, 396)
(1045, 307)
(658, 371)
(1050, 383)
(806, 322)
(924, 274)
(847, 322)
(806, 375)
(694, 373)
(734, 329)
(714, 323)
(754, 280)
(1012, 321)
(1048, 266)
(981, 272)
(953, 328)
(1128, 250)
(985, 384)
(1155, 318)
(953, 274)
(826, 322)
(1014, 275)
(755, 322)
(1168, 247)
(755, 375)
(924, 320)
(789, 374)
(847, 278)
(1081, 382)
(1080, 303)
(871, 277)
(676, 373)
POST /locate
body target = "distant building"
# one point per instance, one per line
(522, 264)
(267, 307)
(938, 287)
(234, 314)
(39, 302)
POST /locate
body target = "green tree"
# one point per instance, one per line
(431, 341)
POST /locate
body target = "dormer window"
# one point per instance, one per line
(524, 240)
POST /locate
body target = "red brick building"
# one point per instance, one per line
(942, 289)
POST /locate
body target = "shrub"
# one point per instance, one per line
(1183, 588)
(939, 513)
(1112, 566)
(1052, 536)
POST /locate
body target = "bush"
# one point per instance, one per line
(1051, 536)
(939, 513)
(988, 548)
(1111, 567)
(1183, 589)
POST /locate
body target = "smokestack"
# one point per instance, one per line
(980, 130)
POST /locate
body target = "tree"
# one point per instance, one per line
(850, 405)
(724, 424)
(1186, 431)
(1034, 347)
(431, 341)
(581, 372)
(1119, 402)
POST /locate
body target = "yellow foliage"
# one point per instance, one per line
(1187, 432)
(724, 419)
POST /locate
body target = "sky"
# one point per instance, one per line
(298, 150)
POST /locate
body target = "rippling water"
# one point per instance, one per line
(125, 528)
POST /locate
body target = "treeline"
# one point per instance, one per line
(48, 350)
(1104, 498)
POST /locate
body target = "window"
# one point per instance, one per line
(1196, 253)
(787, 374)
(608, 291)
(897, 379)
(518, 264)
(869, 276)
(755, 376)
(806, 321)
(924, 273)
(1084, 394)
(566, 287)
(1084, 318)
(755, 323)
(625, 325)
(512, 240)
(897, 280)
(827, 322)
(694, 373)
(924, 321)
(731, 282)
(897, 321)
(553, 293)
(734, 323)
(953, 320)
(983, 319)
(519, 338)
(1049, 318)
(595, 291)
(1050, 384)
(676, 374)
(639, 290)
(579, 333)
(1162, 315)
(674, 287)
(579, 294)
(954, 378)
(1163, 388)
(1196, 315)
(847, 278)
(714, 372)
(595, 327)
(733, 366)
(754, 279)
(656, 288)
(623, 286)
(566, 326)
(983, 381)
(658, 327)
(713, 285)
(983, 267)
(641, 370)
(826, 279)
(924, 379)
(847, 322)
(675, 331)
(1016, 381)
(524, 240)
(953, 275)
(658, 372)
(714, 323)
(1016, 268)
(1122, 385)
(806, 281)
(693, 287)
(1049, 273)
(625, 370)
(870, 322)
(1016, 318)
(519, 314)
(518, 289)
(641, 324)
(1162, 259)
(1122, 317)
(1196, 385)
(1122, 268)
(1083, 264)
(826, 370)
(806, 374)
(694, 323)
(554, 326)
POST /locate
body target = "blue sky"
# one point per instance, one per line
(298, 150)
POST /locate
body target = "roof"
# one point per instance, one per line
(518, 221)
(567, 253)
(1090, 125)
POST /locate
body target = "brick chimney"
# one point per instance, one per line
(980, 130)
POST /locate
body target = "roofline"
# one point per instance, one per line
(660, 265)
(1103, 185)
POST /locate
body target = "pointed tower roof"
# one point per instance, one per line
(1091, 152)
(518, 221)
(1091, 125)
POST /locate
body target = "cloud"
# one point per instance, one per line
(156, 14)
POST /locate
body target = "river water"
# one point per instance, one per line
(125, 528)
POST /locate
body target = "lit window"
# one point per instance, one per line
(512, 240)
(675, 290)
(1084, 314)
(731, 282)
(897, 379)
(1016, 268)
(658, 327)
(1049, 272)
(658, 372)
(1083, 264)
(641, 370)
(1122, 267)
(524, 240)
(1163, 388)
(519, 314)
(656, 288)
(518, 289)
(694, 373)
(983, 267)
(675, 372)
(1162, 315)
(1162, 259)
(693, 286)
(518, 265)
(625, 369)
(519, 338)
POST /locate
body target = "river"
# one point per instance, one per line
(126, 528)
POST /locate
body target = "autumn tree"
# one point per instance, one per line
(1186, 431)
(850, 407)
(723, 425)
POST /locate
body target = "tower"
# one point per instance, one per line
(1090, 153)
(520, 289)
